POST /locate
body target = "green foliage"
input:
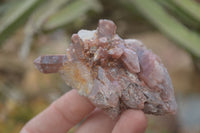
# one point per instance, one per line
(36, 22)
(71, 12)
(41, 15)
(168, 24)
(15, 15)
(180, 14)
(190, 7)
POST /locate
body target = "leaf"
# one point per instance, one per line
(169, 25)
(189, 6)
(71, 12)
(5, 6)
(42, 13)
(35, 22)
(180, 14)
(15, 16)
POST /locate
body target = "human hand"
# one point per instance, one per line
(71, 108)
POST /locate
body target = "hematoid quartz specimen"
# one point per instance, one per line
(114, 73)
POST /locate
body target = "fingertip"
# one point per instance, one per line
(131, 121)
(97, 122)
(138, 116)
(24, 131)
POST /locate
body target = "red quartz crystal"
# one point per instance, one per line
(115, 74)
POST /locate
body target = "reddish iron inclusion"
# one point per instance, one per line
(115, 74)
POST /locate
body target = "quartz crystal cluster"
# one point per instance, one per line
(115, 74)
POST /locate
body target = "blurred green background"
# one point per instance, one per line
(29, 28)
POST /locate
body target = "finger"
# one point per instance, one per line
(131, 121)
(97, 122)
(61, 115)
